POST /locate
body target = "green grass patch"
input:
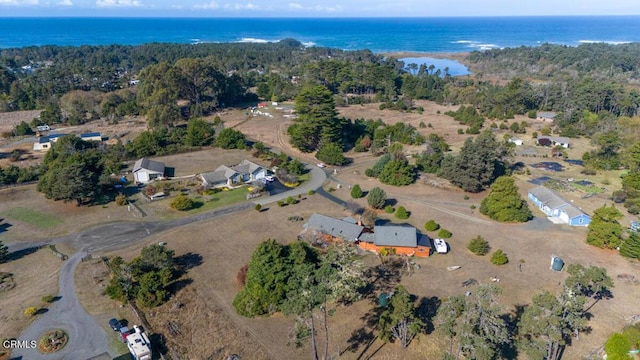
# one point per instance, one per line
(32, 217)
(223, 198)
(304, 177)
(590, 189)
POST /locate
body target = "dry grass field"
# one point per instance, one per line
(35, 275)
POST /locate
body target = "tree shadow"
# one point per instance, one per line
(381, 278)
(188, 261)
(22, 253)
(509, 349)
(4, 226)
(178, 285)
(392, 202)
(365, 336)
(427, 310)
(158, 345)
(42, 311)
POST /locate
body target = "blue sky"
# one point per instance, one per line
(317, 8)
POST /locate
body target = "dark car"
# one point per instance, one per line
(115, 324)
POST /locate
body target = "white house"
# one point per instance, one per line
(146, 170)
(244, 172)
(554, 141)
(94, 136)
(516, 140)
(45, 143)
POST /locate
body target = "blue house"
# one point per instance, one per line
(557, 208)
(93, 136)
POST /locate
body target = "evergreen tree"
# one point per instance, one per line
(378, 166)
(504, 202)
(331, 153)
(399, 321)
(604, 230)
(199, 133)
(317, 121)
(402, 213)
(479, 163)
(398, 173)
(231, 139)
(376, 198)
(356, 191)
(631, 246)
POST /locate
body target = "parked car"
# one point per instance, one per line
(124, 332)
(115, 324)
(321, 165)
(269, 178)
(157, 196)
(441, 246)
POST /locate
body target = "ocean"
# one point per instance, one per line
(437, 35)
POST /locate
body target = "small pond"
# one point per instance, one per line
(455, 68)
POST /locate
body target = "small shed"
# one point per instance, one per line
(43, 144)
(146, 170)
(93, 136)
(556, 263)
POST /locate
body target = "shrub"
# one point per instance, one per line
(617, 347)
(499, 258)
(182, 203)
(291, 200)
(376, 198)
(444, 233)
(422, 125)
(472, 207)
(149, 190)
(311, 192)
(389, 209)
(356, 191)
(402, 213)
(431, 225)
(15, 155)
(30, 311)
(280, 203)
(331, 154)
(460, 131)
(478, 245)
(258, 207)
(48, 299)
(121, 200)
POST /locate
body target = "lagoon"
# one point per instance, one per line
(455, 68)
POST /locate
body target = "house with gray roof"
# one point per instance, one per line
(557, 209)
(546, 116)
(146, 170)
(336, 228)
(244, 172)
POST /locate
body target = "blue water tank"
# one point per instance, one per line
(557, 264)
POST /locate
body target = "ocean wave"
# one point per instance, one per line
(308, 43)
(256, 40)
(610, 42)
(464, 42)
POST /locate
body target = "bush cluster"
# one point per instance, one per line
(431, 225)
(499, 258)
(478, 245)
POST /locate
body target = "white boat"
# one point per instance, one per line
(441, 246)
(451, 268)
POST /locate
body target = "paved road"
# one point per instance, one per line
(87, 337)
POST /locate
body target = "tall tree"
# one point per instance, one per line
(549, 322)
(592, 282)
(631, 246)
(399, 321)
(604, 230)
(317, 121)
(504, 202)
(199, 133)
(479, 163)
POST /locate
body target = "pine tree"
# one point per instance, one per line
(399, 321)
(356, 192)
(504, 203)
(604, 230)
(376, 198)
(631, 246)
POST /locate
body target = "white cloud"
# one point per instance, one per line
(118, 3)
(65, 3)
(19, 2)
(317, 8)
(209, 6)
(248, 6)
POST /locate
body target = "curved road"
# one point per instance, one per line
(87, 337)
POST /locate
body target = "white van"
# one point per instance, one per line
(43, 128)
(157, 196)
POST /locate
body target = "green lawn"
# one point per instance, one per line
(32, 217)
(220, 199)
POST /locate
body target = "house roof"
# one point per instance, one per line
(556, 139)
(247, 167)
(219, 175)
(334, 227)
(572, 211)
(55, 136)
(43, 140)
(548, 197)
(148, 164)
(548, 115)
(515, 138)
(89, 135)
(394, 235)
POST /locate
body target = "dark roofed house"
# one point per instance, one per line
(554, 141)
(557, 208)
(337, 229)
(43, 144)
(400, 240)
(146, 170)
